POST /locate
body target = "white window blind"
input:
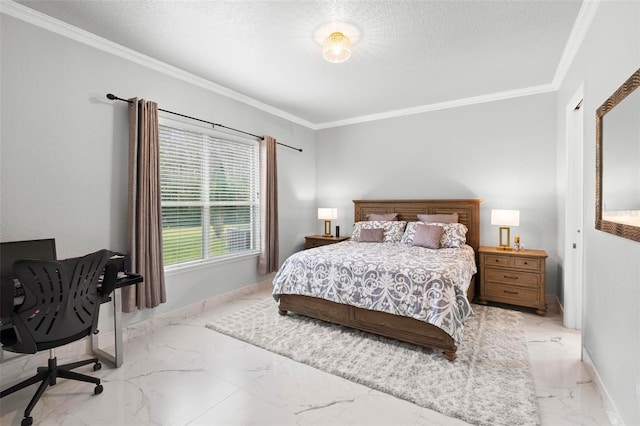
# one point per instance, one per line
(209, 191)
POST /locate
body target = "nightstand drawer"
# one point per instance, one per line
(497, 260)
(509, 276)
(527, 263)
(510, 261)
(317, 243)
(312, 241)
(512, 294)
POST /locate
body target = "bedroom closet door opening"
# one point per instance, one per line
(574, 209)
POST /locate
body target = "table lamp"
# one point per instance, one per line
(327, 214)
(504, 219)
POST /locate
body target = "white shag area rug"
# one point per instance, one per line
(490, 382)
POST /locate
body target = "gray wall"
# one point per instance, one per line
(64, 153)
(609, 54)
(503, 152)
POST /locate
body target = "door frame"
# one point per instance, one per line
(573, 276)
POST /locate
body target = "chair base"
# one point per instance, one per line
(47, 377)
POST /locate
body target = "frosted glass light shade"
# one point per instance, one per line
(336, 48)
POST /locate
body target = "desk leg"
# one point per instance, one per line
(116, 358)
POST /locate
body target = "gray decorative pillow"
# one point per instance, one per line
(393, 230)
(438, 218)
(454, 235)
(428, 236)
(372, 235)
(386, 216)
(409, 233)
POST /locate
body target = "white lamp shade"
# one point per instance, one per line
(327, 213)
(505, 217)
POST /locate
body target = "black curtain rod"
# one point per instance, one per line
(116, 98)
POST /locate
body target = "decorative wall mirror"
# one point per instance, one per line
(618, 161)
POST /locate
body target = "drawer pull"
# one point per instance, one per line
(511, 277)
(526, 263)
(510, 292)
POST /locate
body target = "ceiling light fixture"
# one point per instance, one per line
(336, 48)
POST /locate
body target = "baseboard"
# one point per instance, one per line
(609, 407)
(138, 329)
(553, 303)
(560, 306)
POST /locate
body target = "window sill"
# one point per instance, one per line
(207, 263)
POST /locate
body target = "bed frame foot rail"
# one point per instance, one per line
(400, 328)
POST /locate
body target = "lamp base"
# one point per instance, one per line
(504, 239)
(327, 229)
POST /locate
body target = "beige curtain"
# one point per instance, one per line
(145, 222)
(268, 259)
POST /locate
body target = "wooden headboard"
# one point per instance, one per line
(468, 212)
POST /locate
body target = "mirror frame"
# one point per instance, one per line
(620, 229)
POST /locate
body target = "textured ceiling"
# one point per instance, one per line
(408, 54)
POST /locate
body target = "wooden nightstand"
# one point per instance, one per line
(312, 241)
(513, 277)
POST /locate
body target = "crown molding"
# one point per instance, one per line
(18, 11)
(579, 30)
(527, 91)
(46, 22)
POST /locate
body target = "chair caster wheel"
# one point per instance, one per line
(97, 366)
(27, 421)
(98, 390)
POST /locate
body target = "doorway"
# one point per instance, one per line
(574, 209)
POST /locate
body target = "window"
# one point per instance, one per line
(209, 190)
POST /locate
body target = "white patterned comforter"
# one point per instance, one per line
(424, 284)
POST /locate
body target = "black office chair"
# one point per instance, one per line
(61, 306)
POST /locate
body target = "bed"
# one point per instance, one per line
(337, 303)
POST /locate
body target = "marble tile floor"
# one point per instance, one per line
(184, 373)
